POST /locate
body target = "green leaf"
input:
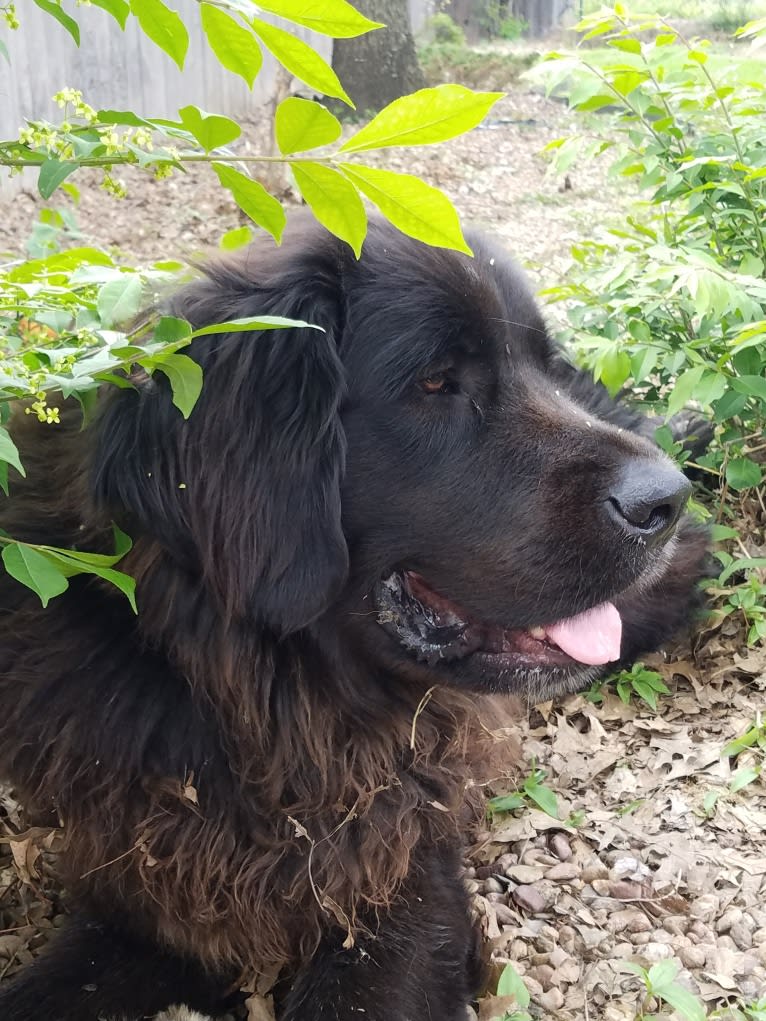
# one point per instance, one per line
(335, 18)
(236, 238)
(55, 11)
(126, 117)
(741, 564)
(34, 570)
(235, 47)
(52, 174)
(210, 129)
(720, 532)
(662, 974)
(645, 691)
(164, 27)
(709, 801)
(614, 369)
(507, 802)
(684, 388)
(170, 330)
(253, 199)
(682, 1001)
(334, 201)
(119, 9)
(543, 797)
(119, 300)
(73, 563)
(9, 452)
(301, 124)
(742, 473)
(185, 377)
(4, 51)
(261, 323)
(416, 208)
(740, 744)
(424, 118)
(122, 542)
(511, 983)
(300, 60)
(120, 580)
(743, 777)
(754, 386)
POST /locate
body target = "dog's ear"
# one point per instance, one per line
(246, 492)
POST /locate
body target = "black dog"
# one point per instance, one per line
(357, 537)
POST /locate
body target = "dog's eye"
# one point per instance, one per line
(438, 383)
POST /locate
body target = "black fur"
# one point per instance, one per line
(339, 556)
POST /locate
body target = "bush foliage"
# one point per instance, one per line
(672, 302)
(65, 311)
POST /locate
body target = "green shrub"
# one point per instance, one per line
(730, 14)
(512, 28)
(672, 302)
(444, 30)
(495, 22)
(448, 62)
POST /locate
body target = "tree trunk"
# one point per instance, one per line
(540, 15)
(381, 66)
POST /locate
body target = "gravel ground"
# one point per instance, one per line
(647, 873)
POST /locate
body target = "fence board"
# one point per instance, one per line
(119, 70)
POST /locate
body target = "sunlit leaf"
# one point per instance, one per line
(423, 118)
(300, 59)
(235, 46)
(416, 208)
(334, 202)
(164, 27)
(55, 11)
(253, 199)
(119, 9)
(210, 130)
(335, 18)
(301, 124)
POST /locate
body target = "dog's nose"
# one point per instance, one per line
(647, 498)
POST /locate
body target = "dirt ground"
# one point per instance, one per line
(645, 869)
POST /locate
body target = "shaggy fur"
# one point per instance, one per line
(264, 773)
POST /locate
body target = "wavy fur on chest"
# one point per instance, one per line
(233, 795)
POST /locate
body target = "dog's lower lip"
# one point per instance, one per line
(436, 630)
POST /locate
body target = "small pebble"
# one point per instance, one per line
(692, 957)
(705, 907)
(529, 898)
(677, 924)
(543, 973)
(562, 872)
(552, 999)
(730, 917)
(654, 952)
(504, 914)
(594, 869)
(560, 847)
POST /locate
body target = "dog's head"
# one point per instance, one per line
(419, 477)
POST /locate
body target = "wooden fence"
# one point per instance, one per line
(119, 70)
(125, 70)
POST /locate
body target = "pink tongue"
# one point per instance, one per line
(592, 637)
